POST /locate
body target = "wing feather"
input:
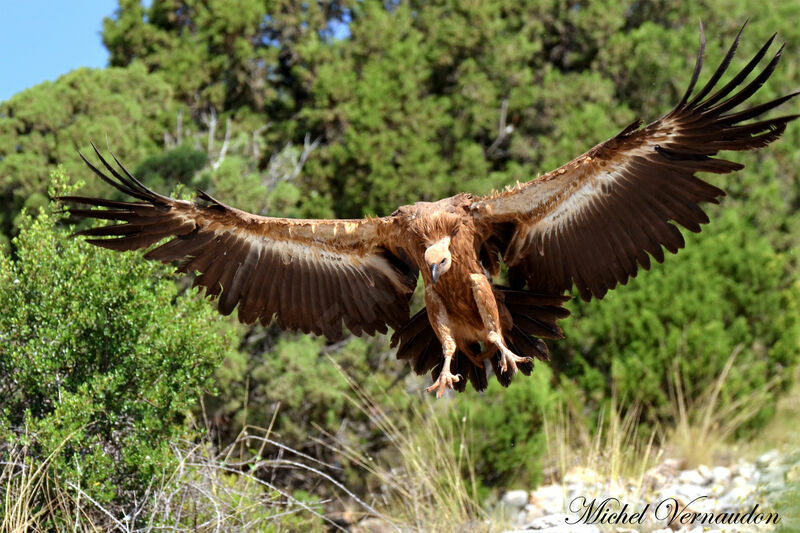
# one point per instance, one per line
(595, 220)
(311, 275)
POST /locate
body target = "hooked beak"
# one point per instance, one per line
(435, 272)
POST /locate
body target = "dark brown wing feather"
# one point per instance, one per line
(311, 275)
(593, 221)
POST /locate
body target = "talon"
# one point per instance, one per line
(510, 359)
(445, 380)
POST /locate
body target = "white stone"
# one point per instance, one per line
(768, 458)
(684, 492)
(515, 498)
(557, 523)
(531, 512)
(773, 476)
(549, 497)
(747, 470)
(736, 499)
(740, 481)
(721, 475)
(692, 477)
(672, 463)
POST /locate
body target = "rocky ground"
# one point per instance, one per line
(576, 505)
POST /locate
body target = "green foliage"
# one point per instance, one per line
(218, 53)
(164, 171)
(416, 101)
(42, 127)
(100, 359)
(409, 106)
(293, 375)
(506, 438)
(729, 290)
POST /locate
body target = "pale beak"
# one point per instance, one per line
(435, 272)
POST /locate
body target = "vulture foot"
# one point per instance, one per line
(445, 379)
(509, 360)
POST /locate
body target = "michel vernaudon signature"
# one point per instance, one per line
(668, 510)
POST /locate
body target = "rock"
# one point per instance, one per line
(655, 478)
(530, 512)
(736, 499)
(721, 475)
(693, 477)
(516, 499)
(793, 474)
(557, 523)
(776, 475)
(768, 458)
(740, 481)
(672, 464)
(703, 505)
(551, 520)
(698, 529)
(704, 471)
(684, 493)
(747, 471)
(549, 497)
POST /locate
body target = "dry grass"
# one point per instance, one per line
(206, 492)
(614, 458)
(617, 456)
(419, 486)
(704, 429)
(783, 431)
(426, 481)
(32, 495)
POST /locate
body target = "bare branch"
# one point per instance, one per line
(210, 120)
(224, 148)
(503, 130)
(256, 134)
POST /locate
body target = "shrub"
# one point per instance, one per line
(100, 359)
(505, 432)
(730, 289)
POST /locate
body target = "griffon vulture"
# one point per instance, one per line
(590, 223)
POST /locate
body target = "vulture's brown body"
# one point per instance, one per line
(590, 223)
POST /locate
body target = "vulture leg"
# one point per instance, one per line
(487, 306)
(441, 326)
(507, 357)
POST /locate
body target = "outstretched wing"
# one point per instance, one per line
(309, 274)
(594, 220)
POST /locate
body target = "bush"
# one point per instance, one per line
(100, 359)
(505, 428)
(729, 289)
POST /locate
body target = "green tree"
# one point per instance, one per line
(101, 359)
(419, 100)
(43, 126)
(218, 53)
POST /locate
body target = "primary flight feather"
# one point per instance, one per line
(590, 223)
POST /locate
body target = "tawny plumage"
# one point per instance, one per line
(590, 223)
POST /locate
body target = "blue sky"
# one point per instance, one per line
(41, 40)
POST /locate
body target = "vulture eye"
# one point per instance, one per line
(442, 262)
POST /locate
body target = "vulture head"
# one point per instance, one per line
(438, 259)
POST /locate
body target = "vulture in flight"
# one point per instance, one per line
(591, 223)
